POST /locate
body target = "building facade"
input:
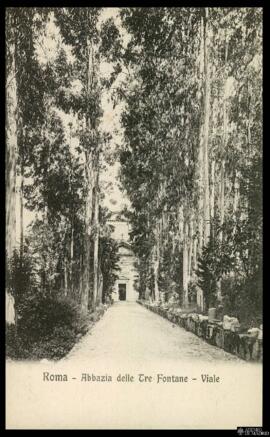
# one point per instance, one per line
(124, 288)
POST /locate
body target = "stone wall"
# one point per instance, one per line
(247, 345)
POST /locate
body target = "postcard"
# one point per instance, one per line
(134, 218)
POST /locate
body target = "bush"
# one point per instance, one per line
(16, 346)
(47, 328)
(20, 274)
(242, 299)
(55, 346)
(39, 315)
(47, 324)
(11, 341)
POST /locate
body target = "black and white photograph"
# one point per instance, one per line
(133, 174)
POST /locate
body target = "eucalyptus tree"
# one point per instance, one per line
(79, 30)
(187, 124)
(164, 100)
(11, 130)
(24, 108)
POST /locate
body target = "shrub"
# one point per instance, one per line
(10, 341)
(55, 346)
(39, 315)
(16, 346)
(242, 299)
(47, 328)
(20, 274)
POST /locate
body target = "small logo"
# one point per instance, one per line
(251, 431)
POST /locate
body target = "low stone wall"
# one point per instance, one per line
(245, 345)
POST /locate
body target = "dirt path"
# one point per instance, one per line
(129, 332)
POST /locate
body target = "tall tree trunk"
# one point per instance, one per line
(195, 252)
(11, 147)
(91, 169)
(180, 218)
(81, 267)
(162, 223)
(249, 200)
(89, 173)
(235, 194)
(185, 263)
(96, 297)
(21, 210)
(222, 197)
(11, 132)
(223, 143)
(222, 213)
(222, 169)
(87, 239)
(71, 258)
(65, 276)
(212, 195)
(100, 287)
(72, 217)
(45, 257)
(203, 211)
(200, 157)
(156, 263)
(165, 227)
(206, 205)
(190, 248)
